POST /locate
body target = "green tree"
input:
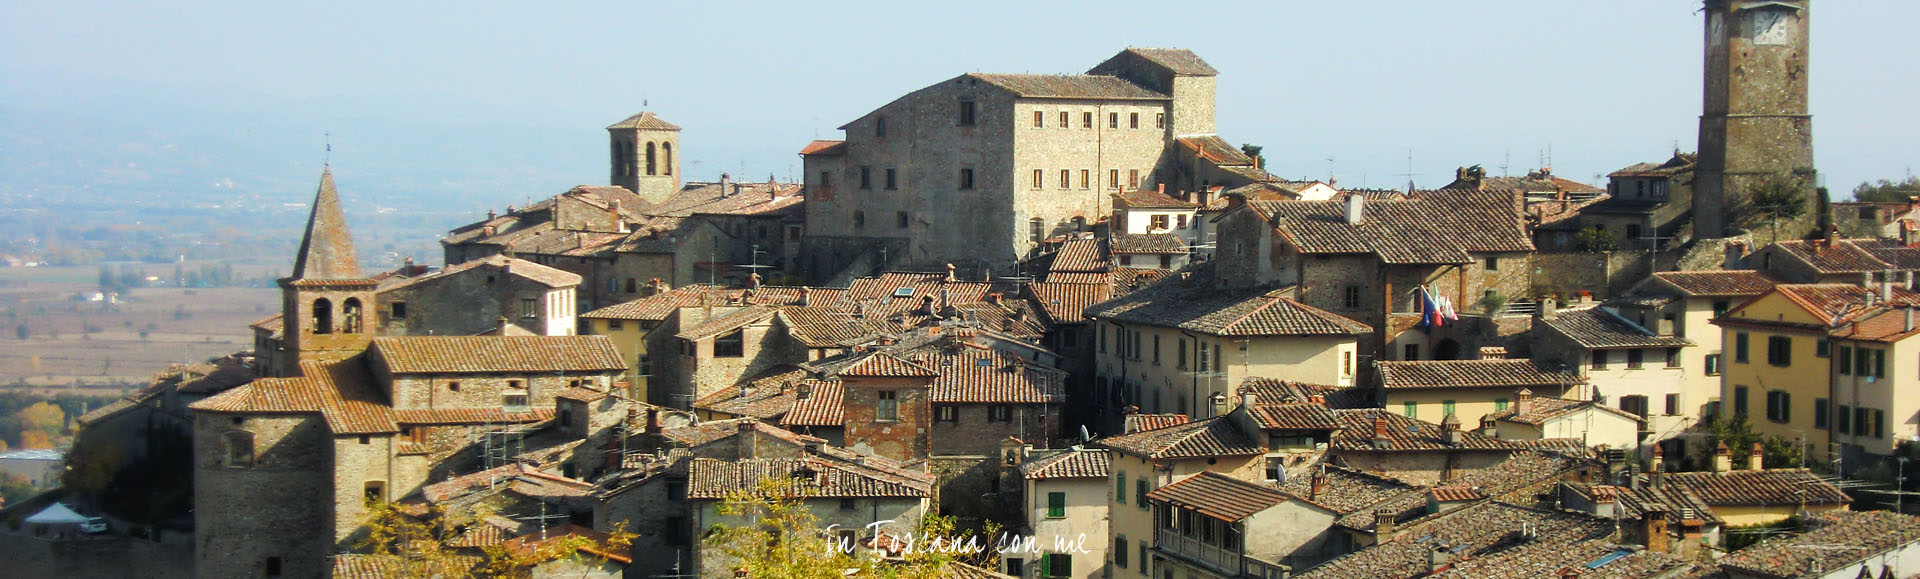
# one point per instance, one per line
(1596, 240)
(1888, 191)
(1778, 197)
(1738, 435)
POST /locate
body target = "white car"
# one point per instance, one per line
(94, 525)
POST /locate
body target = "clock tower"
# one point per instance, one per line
(1754, 123)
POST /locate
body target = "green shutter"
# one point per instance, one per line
(1056, 505)
(1120, 552)
(1120, 488)
(1140, 493)
(1046, 566)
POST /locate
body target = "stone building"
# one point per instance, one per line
(476, 296)
(1628, 366)
(980, 169)
(642, 149)
(1754, 125)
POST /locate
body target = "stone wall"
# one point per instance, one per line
(975, 488)
(281, 507)
(466, 303)
(906, 438)
(974, 434)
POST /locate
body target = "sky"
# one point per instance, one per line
(516, 96)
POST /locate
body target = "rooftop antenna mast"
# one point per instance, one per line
(1330, 179)
(1409, 174)
(1506, 163)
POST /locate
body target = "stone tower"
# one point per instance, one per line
(646, 158)
(1754, 123)
(326, 303)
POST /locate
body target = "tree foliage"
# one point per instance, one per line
(1738, 435)
(1887, 191)
(418, 546)
(1595, 240)
(786, 541)
(1778, 197)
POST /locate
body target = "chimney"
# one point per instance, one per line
(926, 305)
(491, 215)
(1488, 426)
(746, 426)
(613, 212)
(487, 231)
(1319, 486)
(747, 389)
(503, 324)
(993, 298)
(806, 296)
(1653, 524)
(1722, 459)
(1161, 188)
(656, 287)
(1605, 500)
(653, 421)
(1450, 430)
(802, 391)
(1755, 459)
(1439, 558)
(1549, 308)
(1909, 326)
(1248, 398)
(1383, 521)
(1886, 285)
(1380, 439)
(1522, 402)
(951, 277)
(1355, 207)
(1833, 235)
(1907, 233)
(753, 281)
(1656, 474)
(1736, 252)
(724, 178)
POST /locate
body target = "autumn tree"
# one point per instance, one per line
(782, 539)
(417, 546)
(1888, 191)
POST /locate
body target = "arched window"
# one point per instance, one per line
(322, 316)
(667, 155)
(859, 219)
(239, 448)
(350, 316)
(650, 163)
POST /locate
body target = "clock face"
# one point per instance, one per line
(1770, 26)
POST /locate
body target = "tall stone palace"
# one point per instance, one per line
(1754, 122)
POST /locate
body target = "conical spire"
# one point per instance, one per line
(327, 250)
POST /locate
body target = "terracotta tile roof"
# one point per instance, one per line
(1139, 422)
(1200, 307)
(710, 479)
(581, 394)
(1081, 255)
(526, 545)
(1717, 283)
(819, 327)
(658, 306)
(1277, 391)
(1435, 227)
(518, 477)
(957, 570)
(1295, 416)
(1474, 374)
(771, 394)
(1597, 328)
(1844, 256)
(1215, 150)
(1456, 493)
(1681, 506)
(1215, 436)
(1078, 277)
(326, 250)
(1257, 191)
(728, 321)
(497, 354)
(824, 147)
(521, 268)
(709, 432)
(1403, 434)
(976, 375)
(1072, 463)
(820, 407)
(1540, 409)
(275, 325)
(735, 198)
(1680, 163)
(644, 120)
(1836, 541)
(883, 365)
(1879, 324)
(1076, 86)
(1834, 303)
(354, 566)
(470, 416)
(1066, 303)
(1890, 251)
(342, 393)
(1218, 496)
(1770, 487)
(1179, 61)
(1152, 199)
(1486, 540)
(478, 536)
(1148, 243)
(1346, 490)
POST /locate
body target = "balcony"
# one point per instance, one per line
(1192, 550)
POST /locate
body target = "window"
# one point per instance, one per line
(374, 490)
(1056, 505)
(1739, 400)
(1673, 357)
(631, 286)
(1499, 404)
(1133, 178)
(730, 345)
(946, 413)
(1056, 565)
(1720, 308)
(1673, 405)
(1113, 120)
(891, 183)
(1845, 360)
(1410, 408)
(966, 178)
(1843, 420)
(322, 316)
(826, 180)
(1113, 178)
(1276, 469)
(1780, 351)
(399, 310)
(1633, 231)
(527, 307)
(1086, 179)
(650, 160)
(900, 218)
(859, 218)
(1166, 261)
(1133, 120)
(1411, 352)
(1712, 365)
(866, 177)
(1140, 493)
(239, 449)
(1156, 349)
(1039, 178)
(1180, 221)
(1447, 408)
(966, 113)
(1492, 263)
(1159, 120)
(1066, 178)
(1064, 115)
(1000, 413)
(1862, 421)
(1820, 413)
(1879, 423)
(1634, 359)
(1039, 119)
(1879, 363)
(1822, 348)
(888, 409)
(1037, 230)
(1120, 488)
(1120, 551)
(1157, 221)
(1637, 405)
(1180, 354)
(1016, 567)
(1352, 299)
(273, 566)
(1600, 359)
(1740, 347)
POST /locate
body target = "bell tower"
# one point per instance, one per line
(1754, 124)
(646, 156)
(326, 304)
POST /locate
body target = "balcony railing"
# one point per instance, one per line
(1194, 550)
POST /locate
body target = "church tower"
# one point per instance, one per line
(1754, 124)
(326, 305)
(646, 156)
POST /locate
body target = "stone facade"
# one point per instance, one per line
(278, 477)
(1755, 123)
(905, 436)
(473, 297)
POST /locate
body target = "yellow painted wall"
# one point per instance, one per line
(1805, 379)
(1136, 524)
(1313, 359)
(631, 341)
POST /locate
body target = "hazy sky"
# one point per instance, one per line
(1602, 83)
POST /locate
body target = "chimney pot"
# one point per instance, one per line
(1722, 458)
(1356, 206)
(1523, 402)
(1248, 398)
(1383, 523)
(1756, 459)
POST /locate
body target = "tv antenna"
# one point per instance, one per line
(1409, 174)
